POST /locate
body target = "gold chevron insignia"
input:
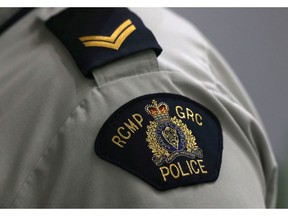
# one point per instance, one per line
(112, 42)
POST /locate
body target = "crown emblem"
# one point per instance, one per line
(160, 112)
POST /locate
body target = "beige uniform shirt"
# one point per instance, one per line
(50, 116)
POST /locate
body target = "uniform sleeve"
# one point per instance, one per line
(186, 49)
(258, 136)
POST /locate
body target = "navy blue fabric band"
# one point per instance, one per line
(97, 36)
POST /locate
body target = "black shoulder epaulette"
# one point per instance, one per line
(97, 36)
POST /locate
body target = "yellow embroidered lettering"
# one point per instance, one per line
(193, 168)
(123, 136)
(201, 166)
(179, 112)
(117, 140)
(175, 174)
(181, 170)
(190, 114)
(188, 165)
(176, 171)
(138, 118)
(164, 174)
(131, 126)
(198, 119)
(124, 131)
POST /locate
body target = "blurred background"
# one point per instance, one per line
(254, 41)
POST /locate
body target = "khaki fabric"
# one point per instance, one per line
(50, 116)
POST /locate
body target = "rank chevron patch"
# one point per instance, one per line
(114, 41)
(165, 139)
(99, 36)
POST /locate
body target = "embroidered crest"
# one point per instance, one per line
(169, 137)
(165, 139)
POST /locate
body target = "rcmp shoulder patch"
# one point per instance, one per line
(165, 139)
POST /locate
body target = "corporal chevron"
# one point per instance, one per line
(112, 42)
